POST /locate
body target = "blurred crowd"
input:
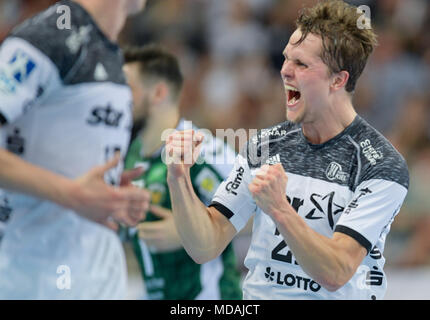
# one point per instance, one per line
(231, 54)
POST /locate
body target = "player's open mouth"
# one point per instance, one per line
(293, 95)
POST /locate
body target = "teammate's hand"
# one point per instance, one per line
(268, 188)
(182, 151)
(96, 200)
(136, 210)
(160, 236)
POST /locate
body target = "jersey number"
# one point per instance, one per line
(288, 257)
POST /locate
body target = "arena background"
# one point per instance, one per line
(231, 52)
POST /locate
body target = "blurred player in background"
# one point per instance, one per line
(168, 271)
(65, 109)
(325, 184)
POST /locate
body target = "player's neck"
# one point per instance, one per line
(152, 134)
(333, 121)
(109, 16)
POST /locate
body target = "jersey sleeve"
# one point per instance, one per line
(26, 74)
(372, 209)
(233, 198)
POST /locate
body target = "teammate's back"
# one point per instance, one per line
(65, 99)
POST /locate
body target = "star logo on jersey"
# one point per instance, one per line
(270, 275)
(324, 206)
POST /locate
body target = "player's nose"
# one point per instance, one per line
(287, 71)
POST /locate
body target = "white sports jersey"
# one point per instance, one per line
(354, 183)
(5, 209)
(64, 106)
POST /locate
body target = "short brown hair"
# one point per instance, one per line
(345, 46)
(156, 62)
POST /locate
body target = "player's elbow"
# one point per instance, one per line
(200, 260)
(331, 286)
(202, 257)
(337, 280)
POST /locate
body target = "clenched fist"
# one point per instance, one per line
(268, 189)
(182, 151)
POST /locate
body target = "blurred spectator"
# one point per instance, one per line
(12, 12)
(391, 76)
(411, 137)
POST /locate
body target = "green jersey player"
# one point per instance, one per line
(167, 269)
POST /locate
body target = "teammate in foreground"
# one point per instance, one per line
(325, 184)
(168, 271)
(66, 111)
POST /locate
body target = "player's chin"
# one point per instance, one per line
(294, 115)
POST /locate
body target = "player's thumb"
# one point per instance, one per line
(129, 175)
(112, 163)
(160, 211)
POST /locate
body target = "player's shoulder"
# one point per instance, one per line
(378, 158)
(67, 35)
(277, 133)
(42, 32)
(268, 142)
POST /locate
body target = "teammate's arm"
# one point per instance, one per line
(204, 232)
(88, 195)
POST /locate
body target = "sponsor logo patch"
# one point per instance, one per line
(16, 71)
(334, 172)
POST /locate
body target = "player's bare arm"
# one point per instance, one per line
(330, 261)
(88, 195)
(204, 232)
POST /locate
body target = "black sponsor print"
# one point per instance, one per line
(291, 280)
(15, 143)
(5, 210)
(354, 203)
(105, 115)
(235, 184)
(374, 277)
(375, 253)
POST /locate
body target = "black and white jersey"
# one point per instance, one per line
(354, 183)
(64, 106)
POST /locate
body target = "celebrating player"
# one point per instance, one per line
(168, 271)
(65, 108)
(325, 184)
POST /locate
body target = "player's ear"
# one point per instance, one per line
(161, 92)
(339, 80)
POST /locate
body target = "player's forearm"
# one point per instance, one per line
(320, 257)
(23, 177)
(196, 229)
